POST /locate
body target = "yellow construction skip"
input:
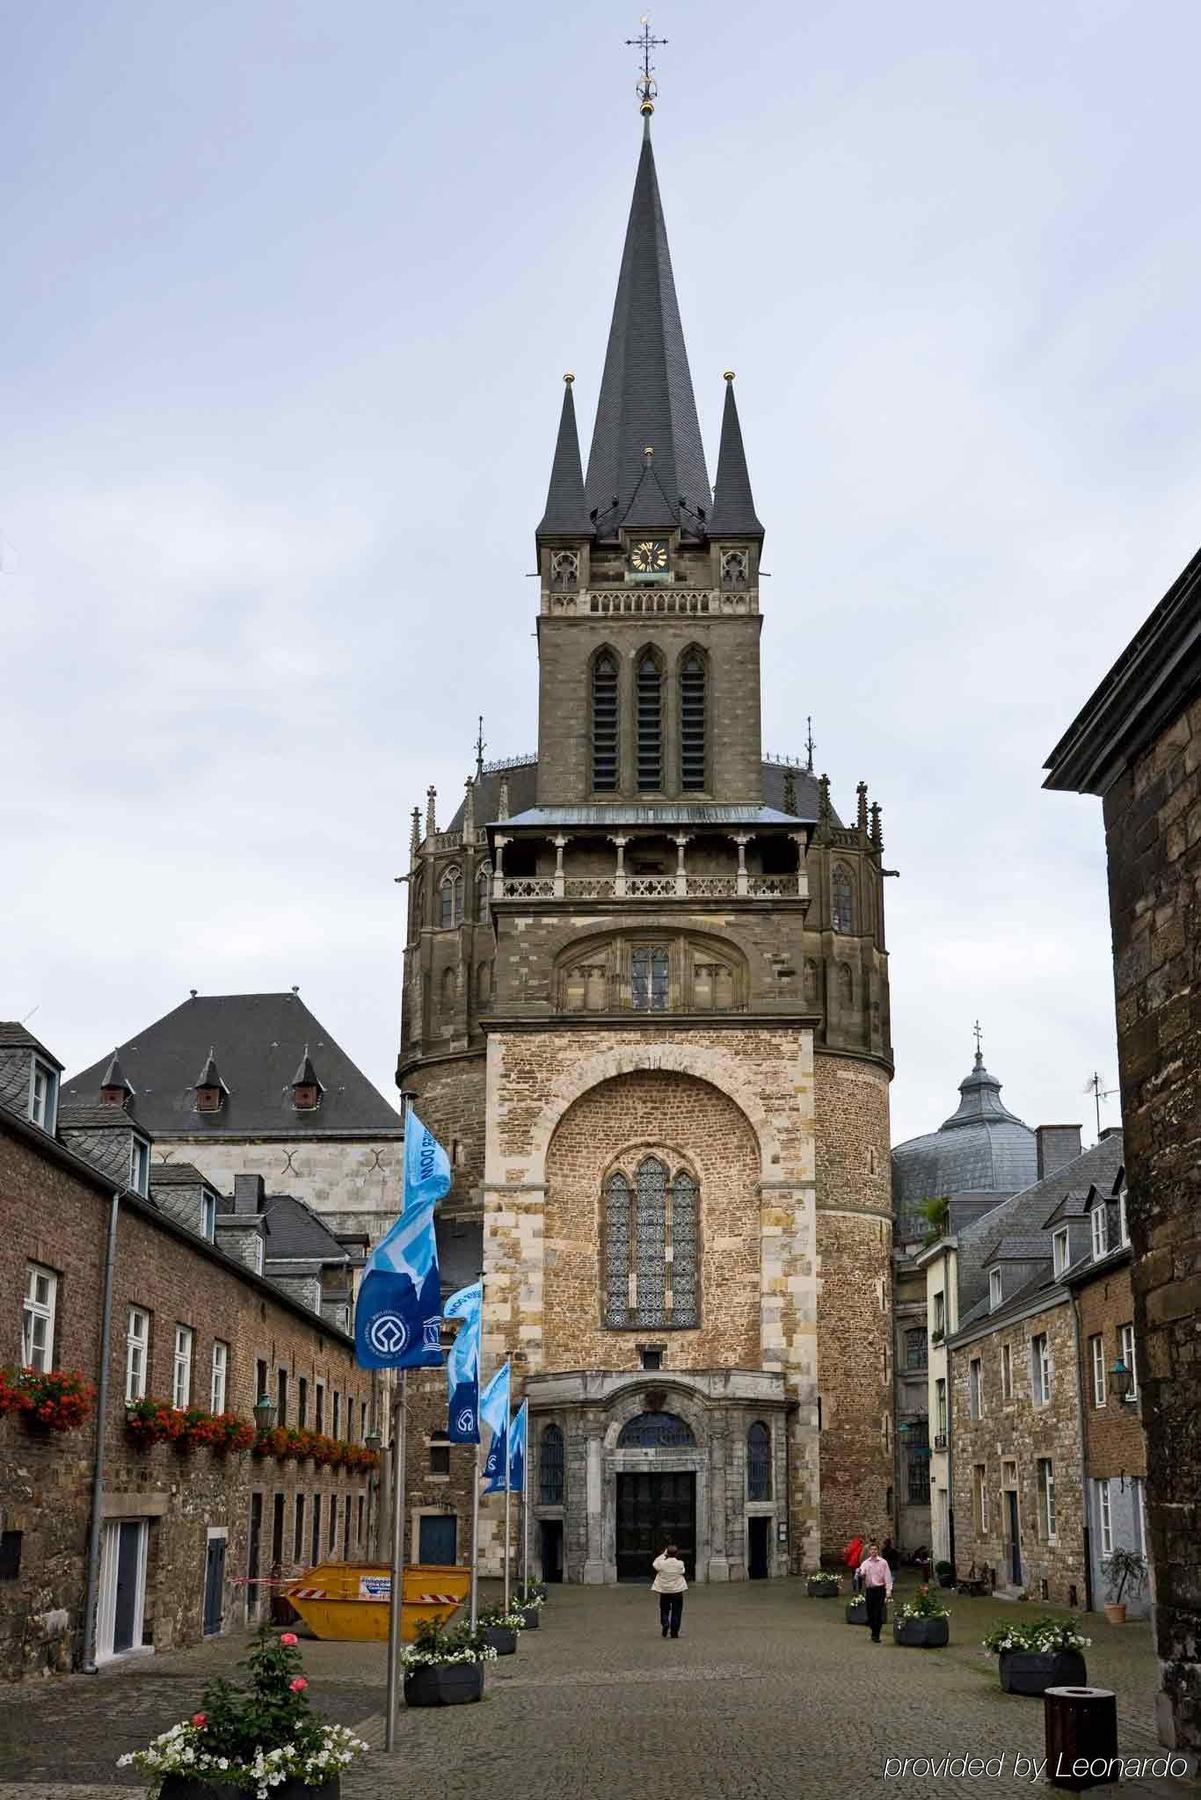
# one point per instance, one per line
(348, 1601)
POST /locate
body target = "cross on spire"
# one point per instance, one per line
(647, 88)
(480, 747)
(810, 745)
(978, 1035)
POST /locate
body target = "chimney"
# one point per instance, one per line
(1057, 1146)
(248, 1195)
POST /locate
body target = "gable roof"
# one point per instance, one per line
(258, 1039)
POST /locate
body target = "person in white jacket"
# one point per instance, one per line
(670, 1585)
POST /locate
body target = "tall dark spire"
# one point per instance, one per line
(646, 400)
(733, 512)
(566, 514)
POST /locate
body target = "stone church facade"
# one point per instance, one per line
(646, 1008)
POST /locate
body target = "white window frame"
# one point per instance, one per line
(208, 1216)
(980, 1475)
(1099, 1225)
(995, 1296)
(1006, 1371)
(1059, 1250)
(39, 1309)
(1130, 1358)
(219, 1380)
(1040, 1369)
(1046, 1494)
(1098, 1352)
(940, 1406)
(1138, 1503)
(258, 1255)
(139, 1165)
(43, 1096)
(1123, 1225)
(940, 1312)
(1104, 1516)
(181, 1368)
(137, 1354)
(975, 1388)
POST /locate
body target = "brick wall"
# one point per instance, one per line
(1153, 837)
(1017, 1432)
(50, 1216)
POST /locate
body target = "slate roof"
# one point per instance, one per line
(292, 1231)
(74, 1114)
(15, 1037)
(1020, 1249)
(566, 513)
(258, 1039)
(1025, 1213)
(733, 512)
(981, 1148)
(180, 1174)
(646, 393)
(523, 792)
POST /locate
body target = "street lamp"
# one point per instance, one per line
(264, 1412)
(1120, 1378)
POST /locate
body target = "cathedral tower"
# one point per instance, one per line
(646, 1005)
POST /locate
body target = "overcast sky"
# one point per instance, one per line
(288, 293)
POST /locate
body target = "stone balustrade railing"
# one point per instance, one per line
(641, 601)
(745, 885)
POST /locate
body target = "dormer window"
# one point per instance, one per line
(43, 1095)
(994, 1289)
(1123, 1227)
(1100, 1227)
(208, 1216)
(210, 1089)
(306, 1089)
(1059, 1251)
(139, 1166)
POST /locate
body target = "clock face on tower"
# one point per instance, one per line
(649, 557)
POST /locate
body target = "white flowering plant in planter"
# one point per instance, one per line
(1039, 1637)
(529, 1600)
(927, 1605)
(436, 1647)
(496, 1618)
(253, 1738)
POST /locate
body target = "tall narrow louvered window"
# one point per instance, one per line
(692, 722)
(604, 723)
(650, 722)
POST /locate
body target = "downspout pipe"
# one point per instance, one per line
(1082, 1413)
(97, 1520)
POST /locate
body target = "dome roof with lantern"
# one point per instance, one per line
(982, 1148)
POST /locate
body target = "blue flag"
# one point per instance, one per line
(398, 1317)
(517, 1440)
(463, 1366)
(494, 1411)
(427, 1166)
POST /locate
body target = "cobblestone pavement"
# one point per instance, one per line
(767, 1694)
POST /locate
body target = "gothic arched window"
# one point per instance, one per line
(564, 571)
(483, 984)
(552, 1483)
(650, 971)
(644, 1219)
(758, 1462)
(483, 894)
(605, 760)
(649, 691)
(735, 566)
(450, 898)
(692, 722)
(844, 909)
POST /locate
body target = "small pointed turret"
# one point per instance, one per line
(209, 1087)
(733, 512)
(115, 1089)
(306, 1088)
(566, 514)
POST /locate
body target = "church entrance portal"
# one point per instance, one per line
(654, 1510)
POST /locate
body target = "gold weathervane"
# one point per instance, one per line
(647, 88)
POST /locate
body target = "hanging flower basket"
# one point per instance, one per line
(149, 1421)
(262, 1739)
(222, 1432)
(52, 1400)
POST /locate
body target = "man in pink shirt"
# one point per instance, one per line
(876, 1577)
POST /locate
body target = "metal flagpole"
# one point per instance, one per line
(398, 1570)
(508, 1496)
(475, 1539)
(525, 1519)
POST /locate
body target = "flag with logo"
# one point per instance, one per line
(494, 1411)
(398, 1316)
(518, 1433)
(463, 1366)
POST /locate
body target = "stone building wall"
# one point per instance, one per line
(1153, 838)
(1018, 1433)
(50, 1216)
(1114, 1445)
(354, 1183)
(854, 1340)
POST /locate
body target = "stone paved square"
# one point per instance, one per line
(767, 1695)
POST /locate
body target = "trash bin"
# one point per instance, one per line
(1080, 1735)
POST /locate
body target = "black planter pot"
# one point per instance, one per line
(819, 1587)
(189, 1787)
(530, 1615)
(921, 1634)
(857, 1612)
(444, 1684)
(947, 1580)
(1033, 1672)
(502, 1638)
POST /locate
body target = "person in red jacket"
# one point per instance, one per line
(851, 1556)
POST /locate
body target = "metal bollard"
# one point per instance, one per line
(1080, 1735)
